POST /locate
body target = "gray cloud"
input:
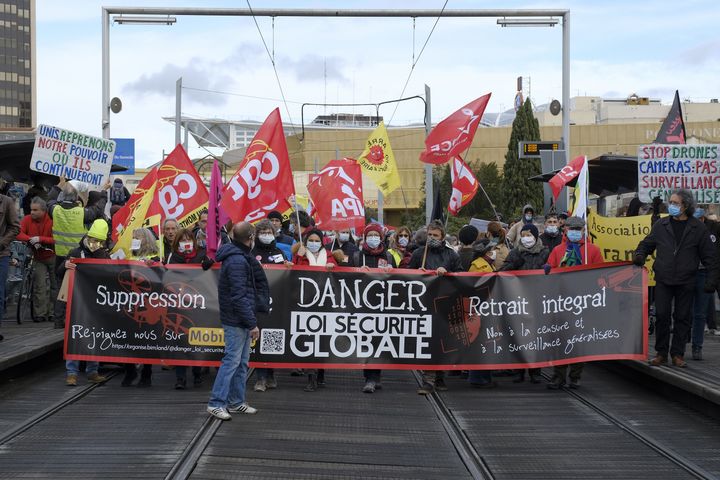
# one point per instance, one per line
(701, 53)
(208, 74)
(312, 67)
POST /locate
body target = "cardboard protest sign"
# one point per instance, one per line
(72, 155)
(665, 168)
(618, 237)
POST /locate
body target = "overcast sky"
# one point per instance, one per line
(617, 48)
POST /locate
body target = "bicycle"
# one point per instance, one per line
(25, 303)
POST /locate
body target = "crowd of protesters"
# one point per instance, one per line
(69, 223)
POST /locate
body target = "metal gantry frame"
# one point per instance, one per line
(391, 13)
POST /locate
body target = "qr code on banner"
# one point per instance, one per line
(272, 341)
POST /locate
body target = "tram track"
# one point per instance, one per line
(473, 461)
(52, 410)
(186, 462)
(665, 451)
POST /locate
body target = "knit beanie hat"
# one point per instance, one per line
(373, 227)
(531, 228)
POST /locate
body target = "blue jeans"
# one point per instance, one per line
(4, 264)
(73, 367)
(229, 386)
(700, 308)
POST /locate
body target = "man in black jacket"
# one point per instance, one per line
(435, 255)
(681, 242)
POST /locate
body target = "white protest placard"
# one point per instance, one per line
(72, 155)
(663, 169)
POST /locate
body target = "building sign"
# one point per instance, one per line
(533, 149)
(72, 155)
(663, 169)
(125, 155)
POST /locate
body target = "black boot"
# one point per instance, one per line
(130, 376)
(520, 378)
(312, 383)
(321, 377)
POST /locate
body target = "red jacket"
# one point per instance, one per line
(557, 254)
(43, 229)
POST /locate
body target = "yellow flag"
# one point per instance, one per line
(140, 217)
(378, 161)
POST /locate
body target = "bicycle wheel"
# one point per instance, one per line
(24, 305)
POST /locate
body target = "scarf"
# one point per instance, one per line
(572, 256)
(320, 260)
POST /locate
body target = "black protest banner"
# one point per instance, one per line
(129, 312)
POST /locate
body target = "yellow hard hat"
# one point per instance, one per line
(98, 230)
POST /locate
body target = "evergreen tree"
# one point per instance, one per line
(517, 190)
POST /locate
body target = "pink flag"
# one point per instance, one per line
(216, 215)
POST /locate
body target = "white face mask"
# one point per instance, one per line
(330, 237)
(492, 255)
(266, 239)
(314, 247)
(528, 242)
(135, 244)
(551, 229)
(528, 217)
(185, 247)
(403, 241)
(372, 242)
(344, 237)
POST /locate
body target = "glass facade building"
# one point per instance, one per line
(17, 95)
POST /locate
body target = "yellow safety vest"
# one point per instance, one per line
(396, 255)
(68, 228)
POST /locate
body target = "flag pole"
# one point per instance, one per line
(587, 202)
(297, 216)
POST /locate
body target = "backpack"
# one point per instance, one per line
(117, 195)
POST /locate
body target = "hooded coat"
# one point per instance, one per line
(242, 282)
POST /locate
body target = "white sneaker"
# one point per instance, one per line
(715, 332)
(242, 408)
(219, 412)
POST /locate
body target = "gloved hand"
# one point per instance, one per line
(546, 268)
(207, 263)
(639, 260)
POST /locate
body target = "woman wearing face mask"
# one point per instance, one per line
(399, 247)
(485, 257)
(528, 216)
(372, 255)
(266, 251)
(496, 235)
(143, 247)
(312, 253)
(531, 254)
(186, 250)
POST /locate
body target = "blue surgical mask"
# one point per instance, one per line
(551, 230)
(699, 213)
(313, 246)
(674, 210)
(372, 242)
(574, 235)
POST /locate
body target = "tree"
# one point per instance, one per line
(517, 190)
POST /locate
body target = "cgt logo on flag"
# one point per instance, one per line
(264, 180)
(455, 134)
(464, 186)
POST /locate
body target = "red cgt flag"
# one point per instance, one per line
(566, 175)
(264, 179)
(337, 197)
(464, 186)
(180, 190)
(455, 134)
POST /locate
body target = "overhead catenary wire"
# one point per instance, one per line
(416, 60)
(271, 55)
